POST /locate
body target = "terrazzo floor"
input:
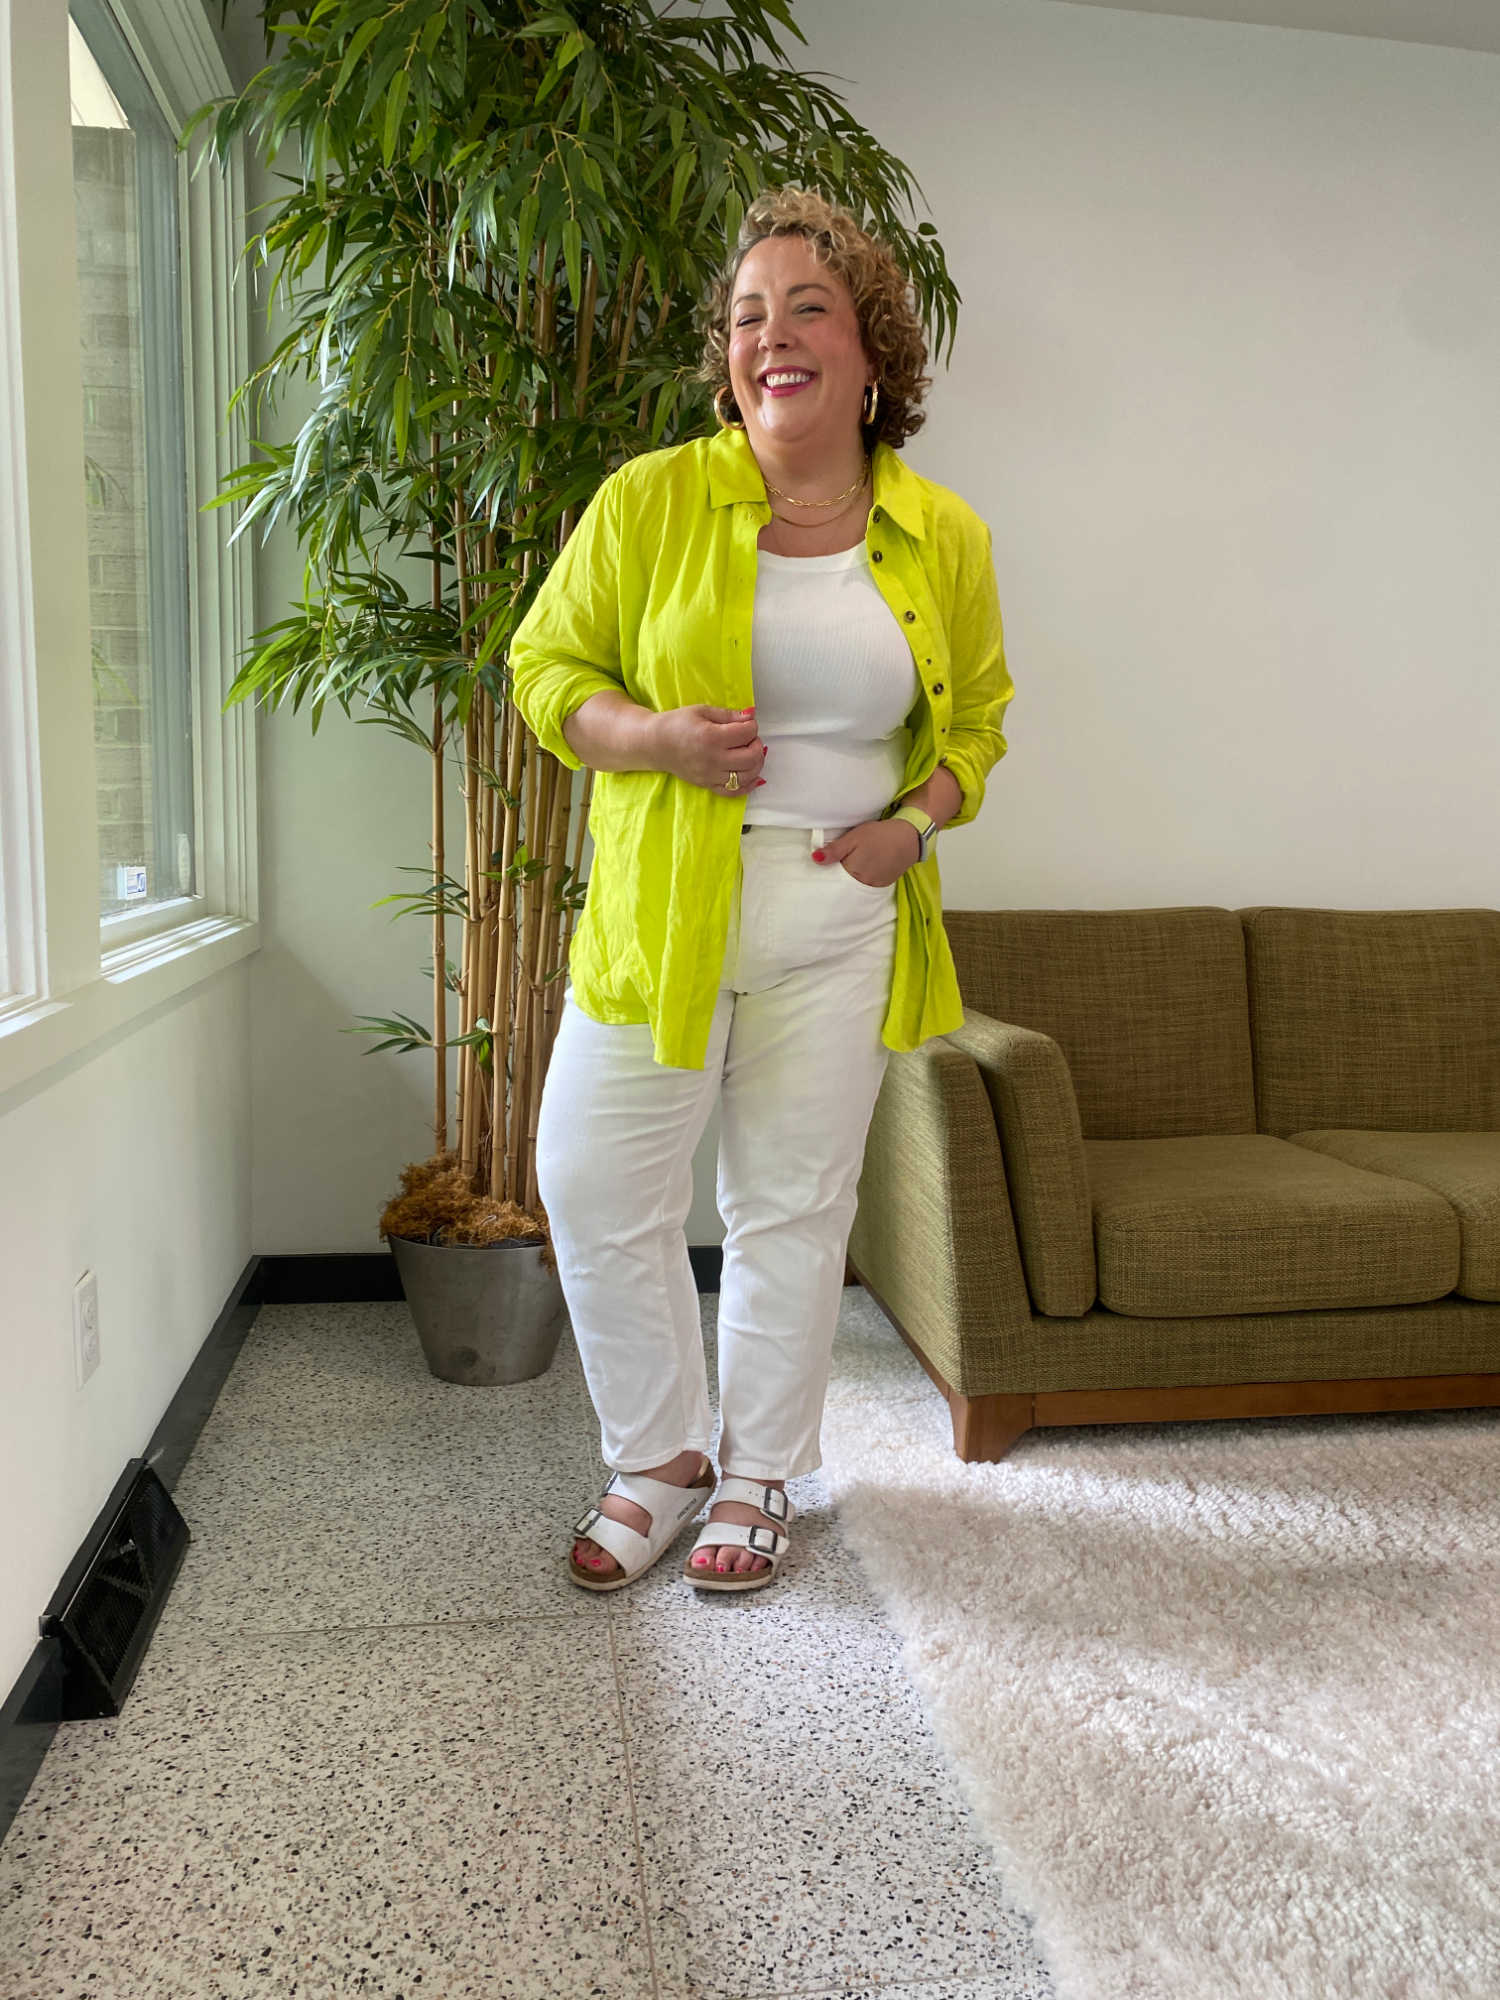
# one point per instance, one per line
(380, 1745)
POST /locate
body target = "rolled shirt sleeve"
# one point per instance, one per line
(982, 686)
(567, 647)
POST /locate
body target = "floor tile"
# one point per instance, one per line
(358, 1372)
(1017, 1983)
(387, 1814)
(338, 1483)
(825, 1844)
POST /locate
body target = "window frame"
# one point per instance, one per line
(82, 977)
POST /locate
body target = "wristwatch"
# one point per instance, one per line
(925, 824)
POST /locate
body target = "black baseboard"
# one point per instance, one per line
(708, 1261)
(359, 1276)
(28, 1723)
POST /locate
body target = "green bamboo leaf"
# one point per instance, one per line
(682, 175)
(395, 105)
(359, 41)
(572, 240)
(400, 411)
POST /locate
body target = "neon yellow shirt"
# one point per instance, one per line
(653, 596)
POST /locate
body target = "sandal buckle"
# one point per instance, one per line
(774, 1502)
(767, 1547)
(582, 1527)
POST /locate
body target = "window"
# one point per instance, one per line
(127, 794)
(134, 471)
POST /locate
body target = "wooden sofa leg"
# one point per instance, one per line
(986, 1427)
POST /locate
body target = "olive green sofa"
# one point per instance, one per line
(1183, 1164)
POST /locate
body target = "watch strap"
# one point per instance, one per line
(925, 824)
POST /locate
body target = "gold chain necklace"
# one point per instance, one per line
(811, 527)
(847, 493)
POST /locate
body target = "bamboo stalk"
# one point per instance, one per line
(520, 1045)
(481, 1010)
(541, 784)
(638, 279)
(439, 930)
(439, 927)
(616, 319)
(661, 321)
(535, 1102)
(551, 807)
(504, 982)
(546, 986)
(580, 827)
(547, 790)
(468, 1128)
(487, 713)
(586, 337)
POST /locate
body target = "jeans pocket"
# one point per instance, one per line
(870, 888)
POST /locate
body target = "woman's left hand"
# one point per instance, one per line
(877, 852)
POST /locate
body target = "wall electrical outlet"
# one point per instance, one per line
(86, 1326)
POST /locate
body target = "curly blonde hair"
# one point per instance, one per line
(884, 305)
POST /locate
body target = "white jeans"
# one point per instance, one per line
(795, 1059)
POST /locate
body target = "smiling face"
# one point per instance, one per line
(797, 365)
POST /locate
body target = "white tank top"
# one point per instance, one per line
(834, 683)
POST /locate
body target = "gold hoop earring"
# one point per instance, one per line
(871, 403)
(729, 423)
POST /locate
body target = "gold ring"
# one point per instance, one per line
(732, 782)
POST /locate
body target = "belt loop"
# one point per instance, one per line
(817, 840)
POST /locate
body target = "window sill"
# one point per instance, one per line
(39, 1034)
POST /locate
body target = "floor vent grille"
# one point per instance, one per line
(107, 1606)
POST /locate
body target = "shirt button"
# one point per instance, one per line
(875, 555)
(875, 514)
(937, 687)
(910, 617)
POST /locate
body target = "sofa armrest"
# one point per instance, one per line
(933, 1236)
(1026, 1075)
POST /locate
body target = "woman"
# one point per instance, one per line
(764, 953)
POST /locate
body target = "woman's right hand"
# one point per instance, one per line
(709, 747)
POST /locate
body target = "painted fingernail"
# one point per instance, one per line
(819, 855)
(757, 785)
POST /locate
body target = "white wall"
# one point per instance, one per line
(1226, 389)
(1227, 392)
(131, 1161)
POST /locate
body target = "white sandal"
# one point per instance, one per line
(754, 1536)
(668, 1506)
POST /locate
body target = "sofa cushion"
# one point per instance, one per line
(1148, 1006)
(1385, 1020)
(1255, 1225)
(1463, 1167)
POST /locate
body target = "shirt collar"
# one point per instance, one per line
(734, 475)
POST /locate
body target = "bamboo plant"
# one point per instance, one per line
(494, 220)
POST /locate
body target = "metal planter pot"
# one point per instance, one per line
(484, 1315)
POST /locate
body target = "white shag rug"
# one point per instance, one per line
(1225, 1698)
